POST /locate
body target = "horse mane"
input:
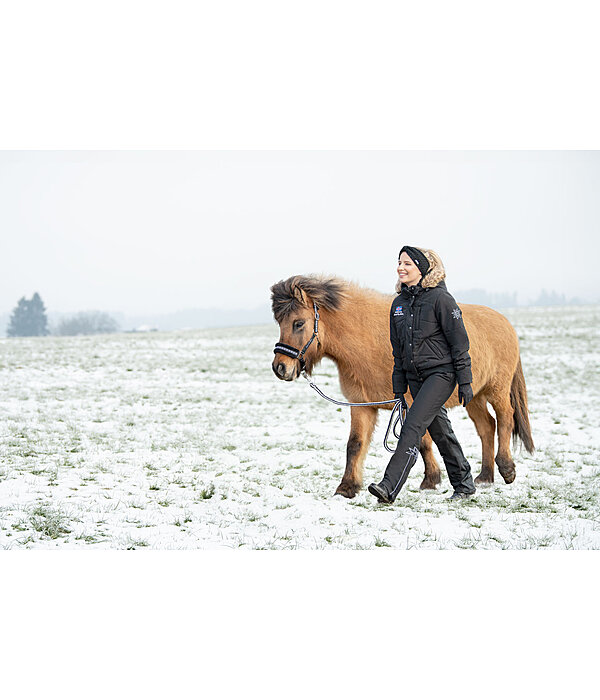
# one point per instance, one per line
(290, 294)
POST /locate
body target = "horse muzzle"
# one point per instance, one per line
(284, 371)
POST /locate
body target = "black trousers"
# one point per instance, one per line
(428, 413)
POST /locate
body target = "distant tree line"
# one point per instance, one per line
(480, 296)
(29, 318)
(554, 299)
(503, 300)
(87, 323)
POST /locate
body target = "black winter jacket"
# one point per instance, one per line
(427, 332)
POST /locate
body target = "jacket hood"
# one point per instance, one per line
(435, 275)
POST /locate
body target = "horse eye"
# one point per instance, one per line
(298, 325)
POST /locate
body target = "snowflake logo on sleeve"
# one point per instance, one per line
(456, 313)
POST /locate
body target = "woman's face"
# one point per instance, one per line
(408, 272)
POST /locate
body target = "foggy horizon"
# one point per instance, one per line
(213, 317)
(459, 294)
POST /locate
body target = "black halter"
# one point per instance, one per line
(299, 354)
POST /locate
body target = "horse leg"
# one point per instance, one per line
(432, 469)
(363, 419)
(486, 429)
(505, 418)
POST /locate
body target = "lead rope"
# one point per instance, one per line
(398, 409)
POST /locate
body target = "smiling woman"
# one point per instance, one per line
(431, 355)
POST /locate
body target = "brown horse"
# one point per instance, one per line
(353, 331)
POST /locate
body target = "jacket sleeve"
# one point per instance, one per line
(399, 382)
(450, 319)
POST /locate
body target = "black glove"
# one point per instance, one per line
(465, 394)
(403, 403)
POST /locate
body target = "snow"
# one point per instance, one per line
(186, 440)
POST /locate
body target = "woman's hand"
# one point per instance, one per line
(465, 394)
(403, 404)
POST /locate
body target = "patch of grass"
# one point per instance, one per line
(379, 542)
(499, 540)
(88, 539)
(49, 522)
(207, 492)
(544, 541)
(27, 452)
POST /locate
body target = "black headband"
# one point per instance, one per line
(417, 257)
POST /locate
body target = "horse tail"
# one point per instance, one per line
(518, 400)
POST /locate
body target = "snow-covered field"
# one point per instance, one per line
(187, 440)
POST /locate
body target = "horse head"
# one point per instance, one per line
(293, 304)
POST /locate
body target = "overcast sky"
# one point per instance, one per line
(160, 231)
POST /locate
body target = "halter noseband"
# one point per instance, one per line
(299, 354)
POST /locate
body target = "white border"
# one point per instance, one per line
(323, 74)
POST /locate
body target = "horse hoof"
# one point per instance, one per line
(484, 479)
(508, 473)
(429, 484)
(347, 490)
(507, 470)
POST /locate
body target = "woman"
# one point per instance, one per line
(431, 354)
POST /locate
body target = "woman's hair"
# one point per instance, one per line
(435, 274)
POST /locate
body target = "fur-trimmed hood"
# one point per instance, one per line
(435, 274)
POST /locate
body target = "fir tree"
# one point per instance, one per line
(28, 318)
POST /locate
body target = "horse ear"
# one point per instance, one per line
(300, 295)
